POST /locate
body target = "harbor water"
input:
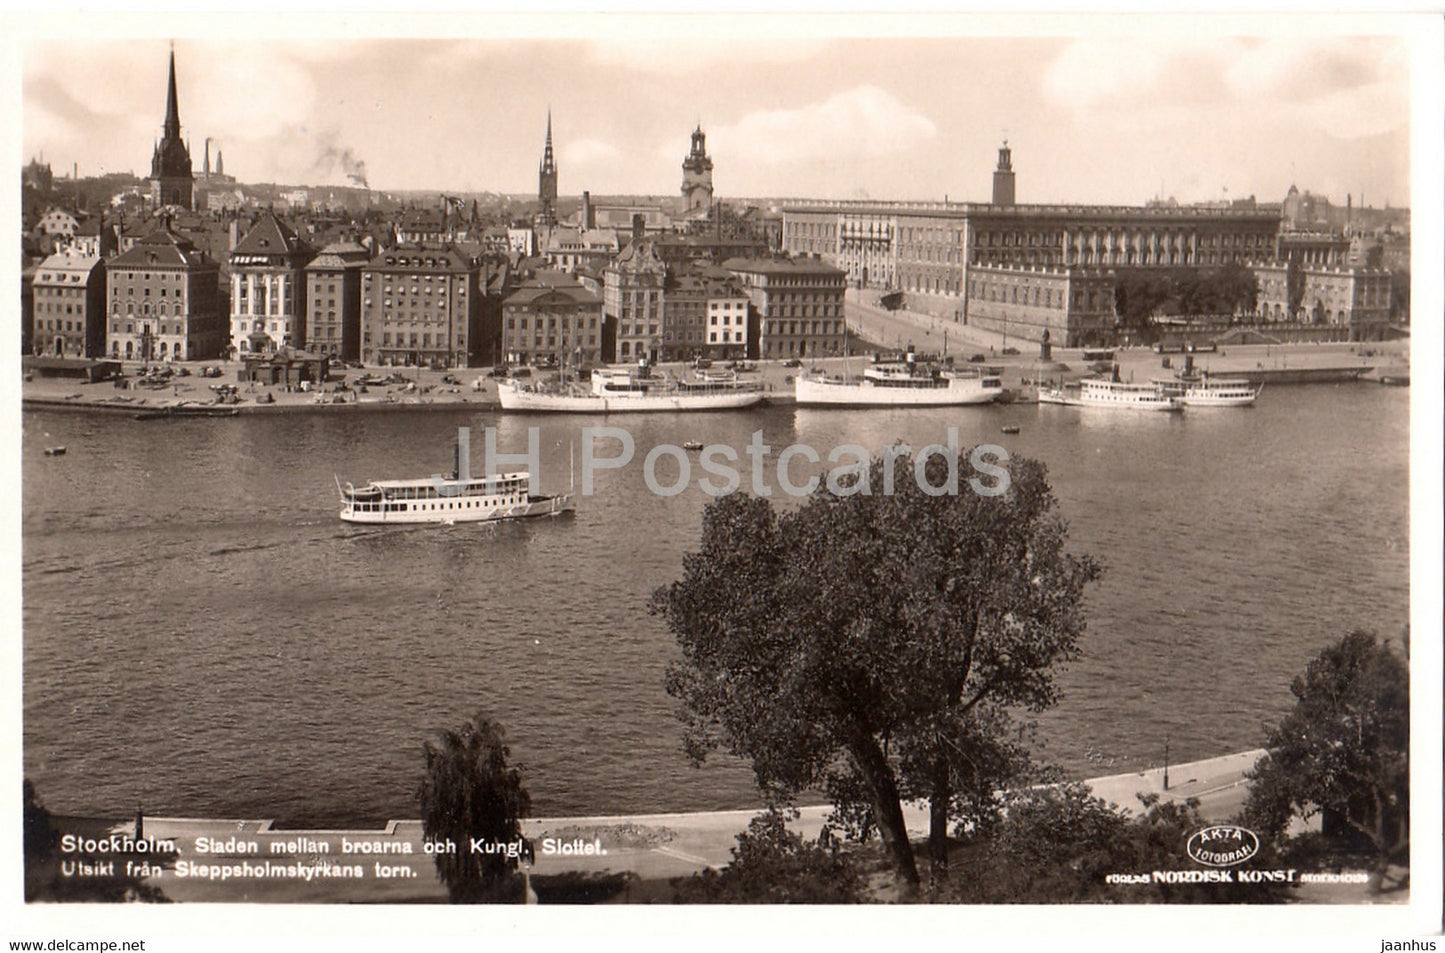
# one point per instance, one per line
(203, 636)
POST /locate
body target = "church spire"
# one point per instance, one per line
(549, 164)
(173, 113)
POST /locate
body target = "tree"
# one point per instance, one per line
(1059, 844)
(873, 642)
(46, 881)
(1343, 751)
(471, 798)
(771, 864)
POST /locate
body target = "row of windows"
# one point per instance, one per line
(43, 307)
(410, 340)
(518, 341)
(552, 323)
(145, 309)
(53, 324)
(803, 327)
(160, 328)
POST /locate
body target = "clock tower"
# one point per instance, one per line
(697, 175)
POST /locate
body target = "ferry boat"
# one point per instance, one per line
(616, 390)
(1211, 392)
(1112, 393)
(899, 384)
(458, 498)
(1100, 392)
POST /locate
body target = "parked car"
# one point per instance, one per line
(792, 362)
(702, 363)
(1009, 351)
(976, 359)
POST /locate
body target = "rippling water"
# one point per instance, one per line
(204, 637)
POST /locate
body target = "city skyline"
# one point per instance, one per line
(1091, 118)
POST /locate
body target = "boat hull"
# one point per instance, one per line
(488, 512)
(514, 398)
(810, 392)
(1215, 400)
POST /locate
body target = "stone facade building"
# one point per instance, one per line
(633, 298)
(420, 304)
(1021, 268)
(333, 300)
(798, 303)
(69, 306)
(551, 316)
(163, 301)
(268, 288)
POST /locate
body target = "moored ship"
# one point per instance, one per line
(1207, 391)
(1114, 395)
(898, 384)
(617, 390)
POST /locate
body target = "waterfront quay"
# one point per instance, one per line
(426, 389)
(396, 864)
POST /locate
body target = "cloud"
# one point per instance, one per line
(862, 122)
(589, 152)
(1129, 72)
(244, 92)
(1344, 87)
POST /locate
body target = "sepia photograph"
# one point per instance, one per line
(953, 473)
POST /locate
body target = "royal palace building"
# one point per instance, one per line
(1022, 269)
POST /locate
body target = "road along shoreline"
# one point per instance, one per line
(251, 860)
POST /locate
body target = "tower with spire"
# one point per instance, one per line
(1003, 177)
(547, 177)
(172, 182)
(697, 174)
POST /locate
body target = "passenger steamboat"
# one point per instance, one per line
(907, 383)
(1113, 394)
(617, 390)
(1206, 391)
(456, 498)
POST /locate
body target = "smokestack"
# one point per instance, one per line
(589, 217)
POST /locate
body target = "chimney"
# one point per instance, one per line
(589, 216)
(639, 226)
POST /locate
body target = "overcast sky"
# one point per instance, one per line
(1117, 114)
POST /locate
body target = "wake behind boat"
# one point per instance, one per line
(907, 383)
(617, 390)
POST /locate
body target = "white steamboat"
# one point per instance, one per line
(457, 498)
(899, 384)
(618, 390)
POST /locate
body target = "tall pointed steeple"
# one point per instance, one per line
(172, 181)
(173, 113)
(547, 176)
